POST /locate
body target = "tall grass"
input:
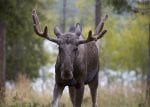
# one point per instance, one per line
(23, 95)
(116, 95)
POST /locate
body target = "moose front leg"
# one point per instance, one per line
(79, 95)
(72, 92)
(56, 95)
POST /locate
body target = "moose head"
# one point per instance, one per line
(68, 43)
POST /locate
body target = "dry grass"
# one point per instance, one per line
(119, 96)
(22, 95)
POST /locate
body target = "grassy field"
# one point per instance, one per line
(116, 95)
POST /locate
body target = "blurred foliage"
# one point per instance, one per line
(25, 52)
(123, 47)
(126, 43)
(86, 14)
(119, 6)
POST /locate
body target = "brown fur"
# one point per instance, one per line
(77, 62)
(82, 64)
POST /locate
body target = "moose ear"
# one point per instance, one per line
(78, 29)
(57, 31)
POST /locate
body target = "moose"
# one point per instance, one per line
(77, 62)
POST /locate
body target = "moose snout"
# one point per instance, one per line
(67, 75)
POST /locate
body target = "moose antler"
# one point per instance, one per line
(38, 30)
(99, 32)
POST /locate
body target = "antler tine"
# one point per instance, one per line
(90, 38)
(38, 30)
(100, 25)
(98, 33)
(36, 24)
(101, 33)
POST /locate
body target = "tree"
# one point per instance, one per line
(24, 50)
(124, 50)
(97, 12)
(64, 16)
(144, 10)
(97, 15)
(120, 6)
(2, 61)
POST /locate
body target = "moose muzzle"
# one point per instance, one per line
(67, 75)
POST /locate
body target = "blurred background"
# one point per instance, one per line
(27, 61)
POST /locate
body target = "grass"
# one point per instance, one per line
(116, 95)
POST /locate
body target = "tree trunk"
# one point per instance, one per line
(97, 16)
(97, 12)
(64, 16)
(148, 74)
(2, 61)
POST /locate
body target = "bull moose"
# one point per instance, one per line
(77, 61)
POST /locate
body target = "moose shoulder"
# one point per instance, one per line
(77, 61)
